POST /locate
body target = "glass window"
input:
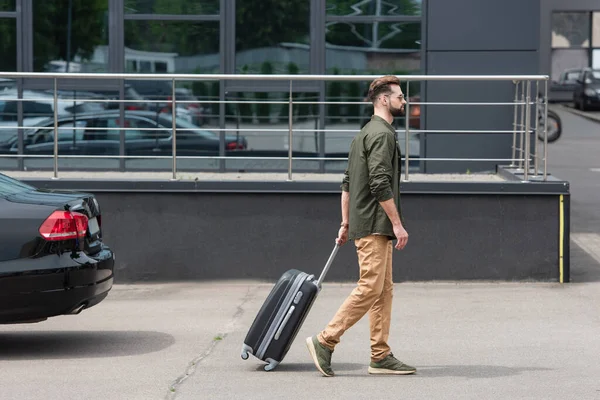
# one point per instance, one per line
(171, 47)
(373, 7)
(373, 48)
(596, 29)
(378, 48)
(88, 50)
(569, 61)
(570, 29)
(272, 37)
(46, 135)
(8, 42)
(596, 59)
(7, 5)
(172, 7)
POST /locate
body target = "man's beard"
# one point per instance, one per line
(396, 112)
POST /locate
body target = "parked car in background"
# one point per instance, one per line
(53, 260)
(587, 91)
(159, 95)
(149, 134)
(561, 90)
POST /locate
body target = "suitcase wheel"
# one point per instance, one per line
(245, 350)
(271, 364)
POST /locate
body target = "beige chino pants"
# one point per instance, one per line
(373, 293)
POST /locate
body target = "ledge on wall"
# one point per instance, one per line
(506, 180)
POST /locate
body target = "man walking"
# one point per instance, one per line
(371, 217)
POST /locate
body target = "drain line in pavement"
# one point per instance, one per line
(218, 338)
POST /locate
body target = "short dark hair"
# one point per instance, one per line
(382, 86)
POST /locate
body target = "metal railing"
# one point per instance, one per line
(521, 132)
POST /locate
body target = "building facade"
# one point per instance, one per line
(314, 37)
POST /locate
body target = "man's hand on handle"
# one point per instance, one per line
(342, 237)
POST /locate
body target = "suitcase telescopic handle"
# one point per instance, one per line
(327, 265)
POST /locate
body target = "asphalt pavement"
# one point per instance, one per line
(183, 341)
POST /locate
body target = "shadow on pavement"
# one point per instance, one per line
(310, 367)
(472, 371)
(76, 344)
(583, 266)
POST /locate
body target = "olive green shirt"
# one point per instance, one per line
(372, 176)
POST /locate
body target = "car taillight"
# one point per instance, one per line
(64, 225)
(235, 146)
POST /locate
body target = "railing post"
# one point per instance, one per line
(545, 129)
(55, 129)
(521, 127)
(537, 127)
(174, 125)
(407, 132)
(290, 141)
(527, 130)
(515, 114)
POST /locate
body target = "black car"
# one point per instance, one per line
(53, 260)
(587, 91)
(148, 134)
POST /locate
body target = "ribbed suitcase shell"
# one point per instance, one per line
(280, 318)
(282, 314)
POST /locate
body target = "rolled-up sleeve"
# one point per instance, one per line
(380, 152)
(346, 182)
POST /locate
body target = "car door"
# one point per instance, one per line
(104, 138)
(191, 139)
(70, 139)
(144, 136)
(578, 91)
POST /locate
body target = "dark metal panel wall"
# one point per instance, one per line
(204, 236)
(478, 38)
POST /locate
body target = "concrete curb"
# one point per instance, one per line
(588, 115)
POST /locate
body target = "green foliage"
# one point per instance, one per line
(353, 94)
(183, 38)
(334, 93)
(262, 109)
(89, 29)
(8, 42)
(270, 22)
(292, 69)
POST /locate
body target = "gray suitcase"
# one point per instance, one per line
(282, 314)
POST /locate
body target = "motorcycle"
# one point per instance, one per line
(554, 125)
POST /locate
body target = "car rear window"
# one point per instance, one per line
(9, 186)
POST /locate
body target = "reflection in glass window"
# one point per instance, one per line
(570, 29)
(378, 48)
(568, 60)
(373, 48)
(596, 29)
(172, 47)
(596, 59)
(8, 43)
(373, 7)
(272, 36)
(7, 5)
(172, 7)
(88, 51)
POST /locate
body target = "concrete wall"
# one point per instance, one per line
(480, 38)
(204, 236)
